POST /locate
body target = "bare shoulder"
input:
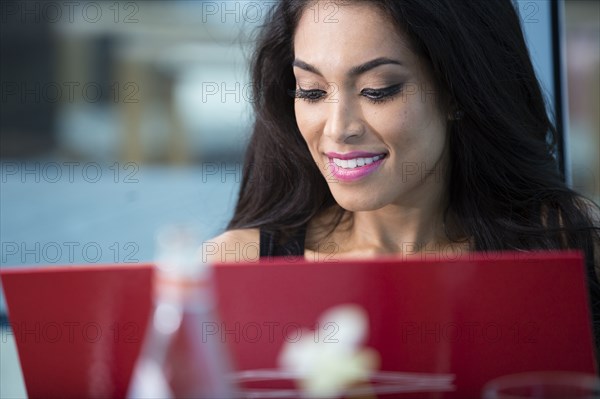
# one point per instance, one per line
(233, 246)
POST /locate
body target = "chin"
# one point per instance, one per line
(358, 203)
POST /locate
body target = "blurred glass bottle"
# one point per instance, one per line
(178, 358)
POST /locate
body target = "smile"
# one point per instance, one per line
(356, 162)
(353, 169)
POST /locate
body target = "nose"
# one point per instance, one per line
(343, 120)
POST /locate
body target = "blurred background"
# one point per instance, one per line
(120, 118)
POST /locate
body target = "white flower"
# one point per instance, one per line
(326, 366)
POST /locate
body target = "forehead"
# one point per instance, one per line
(331, 33)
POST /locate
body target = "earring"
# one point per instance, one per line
(457, 115)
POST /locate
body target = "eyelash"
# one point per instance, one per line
(385, 94)
(311, 96)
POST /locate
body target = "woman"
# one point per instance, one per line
(412, 126)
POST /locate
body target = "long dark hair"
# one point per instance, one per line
(505, 189)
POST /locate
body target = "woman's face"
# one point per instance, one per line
(367, 108)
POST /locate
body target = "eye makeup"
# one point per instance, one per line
(375, 96)
(378, 96)
(311, 96)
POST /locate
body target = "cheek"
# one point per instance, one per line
(412, 131)
(414, 117)
(309, 125)
(419, 122)
(394, 125)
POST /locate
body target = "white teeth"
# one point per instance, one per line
(356, 162)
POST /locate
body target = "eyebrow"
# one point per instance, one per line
(354, 71)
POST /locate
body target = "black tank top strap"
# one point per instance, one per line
(267, 242)
(270, 246)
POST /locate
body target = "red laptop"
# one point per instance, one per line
(438, 328)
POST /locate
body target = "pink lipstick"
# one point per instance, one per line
(355, 165)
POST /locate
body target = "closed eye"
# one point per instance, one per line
(381, 95)
(313, 95)
(374, 95)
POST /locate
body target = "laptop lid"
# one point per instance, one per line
(477, 318)
(78, 329)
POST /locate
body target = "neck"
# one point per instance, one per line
(414, 224)
(394, 229)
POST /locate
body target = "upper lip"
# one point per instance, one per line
(353, 154)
